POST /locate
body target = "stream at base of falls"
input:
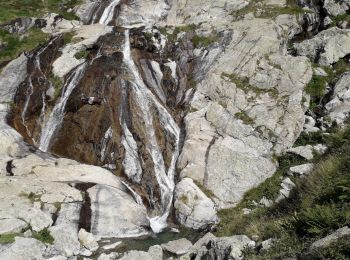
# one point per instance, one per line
(144, 243)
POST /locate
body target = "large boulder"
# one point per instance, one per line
(211, 247)
(339, 107)
(88, 240)
(154, 253)
(327, 47)
(331, 238)
(193, 208)
(115, 213)
(11, 225)
(178, 247)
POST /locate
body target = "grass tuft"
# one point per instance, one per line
(44, 236)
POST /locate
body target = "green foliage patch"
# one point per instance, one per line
(8, 238)
(15, 44)
(12, 9)
(44, 236)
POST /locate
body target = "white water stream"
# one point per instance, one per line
(146, 100)
(108, 13)
(57, 114)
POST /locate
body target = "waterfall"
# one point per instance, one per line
(131, 162)
(37, 66)
(108, 13)
(145, 100)
(57, 114)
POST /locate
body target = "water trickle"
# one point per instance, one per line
(145, 99)
(108, 13)
(136, 196)
(57, 114)
(108, 135)
(28, 96)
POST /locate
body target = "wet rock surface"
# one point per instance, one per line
(160, 107)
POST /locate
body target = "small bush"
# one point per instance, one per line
(310, 138)
(57, 83)
(243, 84)
(81, 54)
(8, 238)
(318, 220)
(12, 9)
(15, 45)
(204, 41)
(244, 117)
(44, 236)
(317, 86)
(68, 37)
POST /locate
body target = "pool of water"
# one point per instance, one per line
(144, 243)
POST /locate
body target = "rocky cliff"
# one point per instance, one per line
(122, 118)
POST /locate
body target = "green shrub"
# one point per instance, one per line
(12, 9)
(44, 236)
(8, 238)
(81, 54)
(336, 20)
(311, 138)
(68, 37)
(317, 86)
(319, 219)
(244, 117)
(15, 45)
(57, 83)
(204, 41)
(243, 84)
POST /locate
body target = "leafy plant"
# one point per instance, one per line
(14, 44)
(81, 54)
(44, 236)
(8, 238)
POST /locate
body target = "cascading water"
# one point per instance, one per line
(145, 100)
(108, 13)
(131, 162)
(37, 67)
(57, 114)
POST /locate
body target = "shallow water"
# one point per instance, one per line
(144, 243)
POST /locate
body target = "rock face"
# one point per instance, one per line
(327, 47)
(116, 98)
(240, 119)
(192, 207)
(8, 226)
(141, 94)
(24, 248)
